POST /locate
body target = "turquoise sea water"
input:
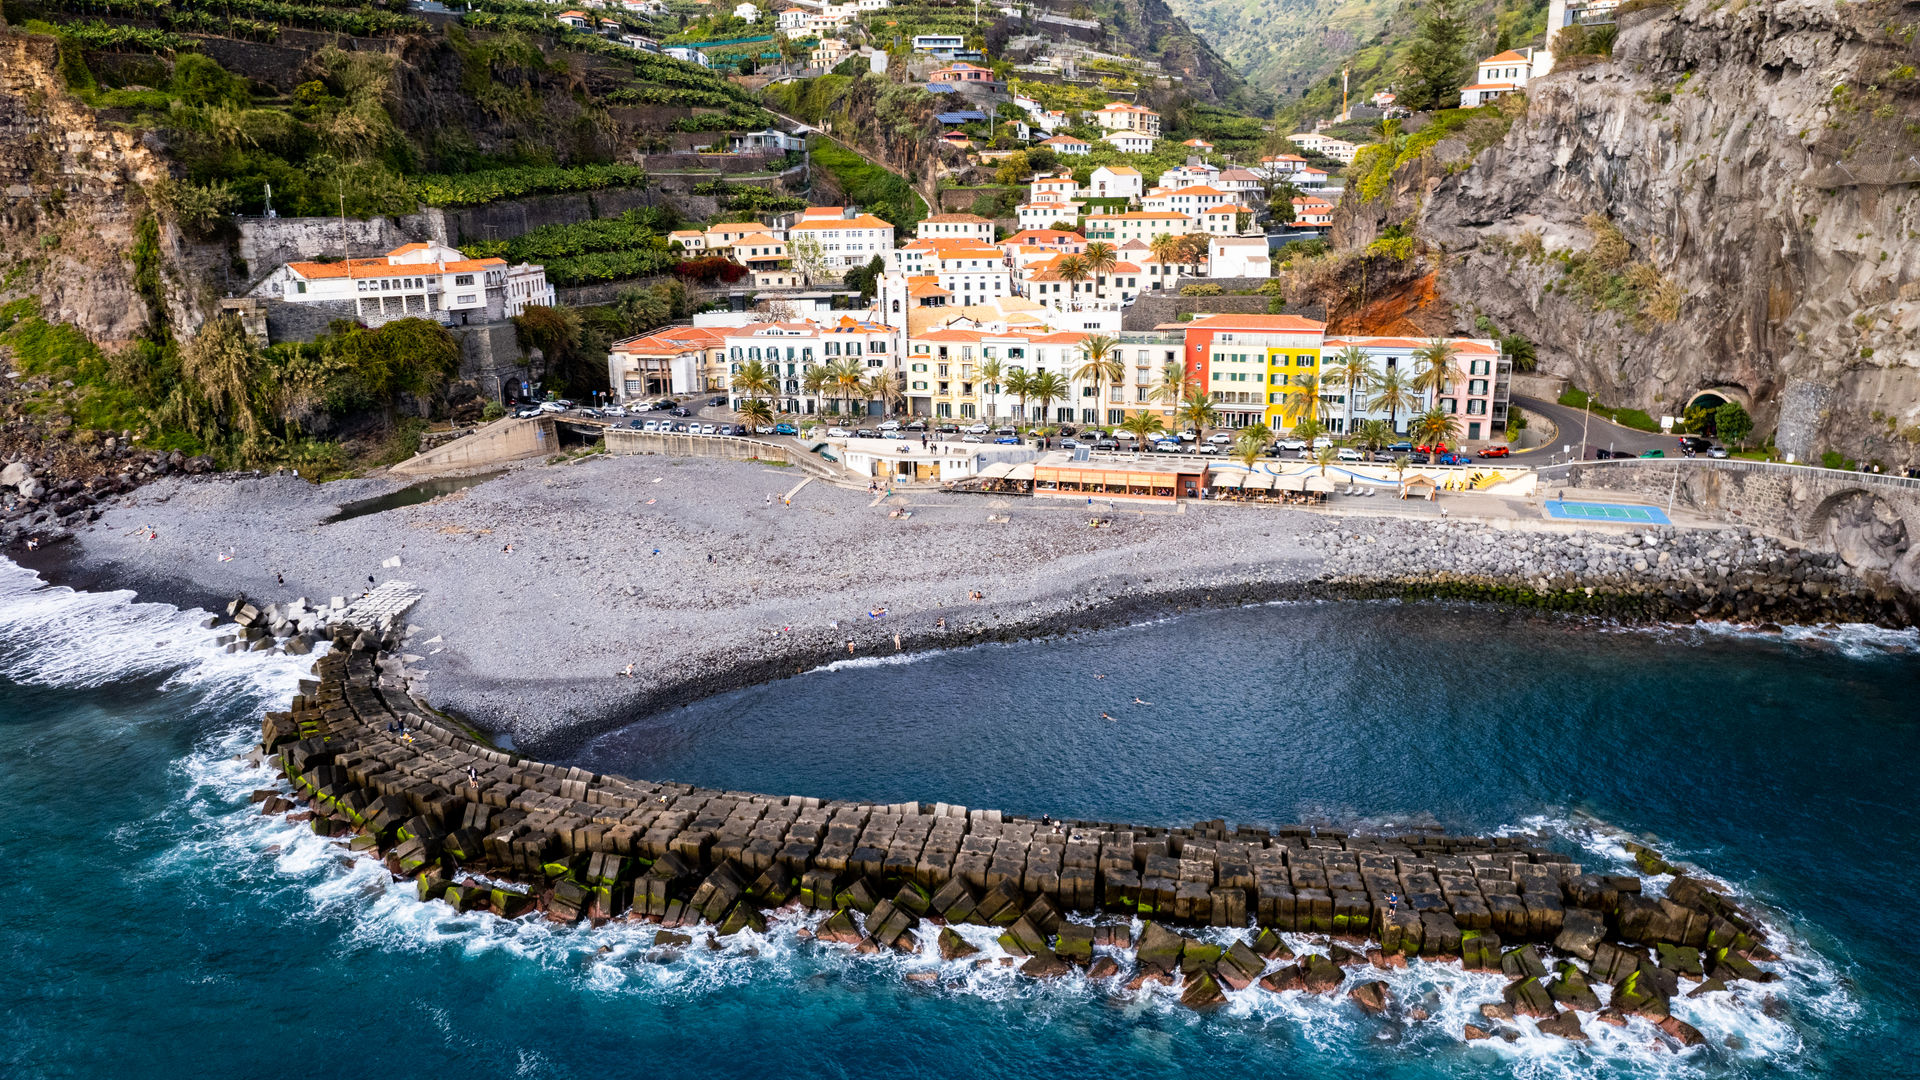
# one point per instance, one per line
(156, 927)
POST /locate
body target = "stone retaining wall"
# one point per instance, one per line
(621, 440)
(480, 828)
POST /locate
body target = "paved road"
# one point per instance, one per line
(1600, 433)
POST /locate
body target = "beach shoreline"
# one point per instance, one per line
(542, 585)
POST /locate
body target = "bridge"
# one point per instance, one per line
(1870, 520)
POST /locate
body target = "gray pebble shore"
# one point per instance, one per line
(680, 568)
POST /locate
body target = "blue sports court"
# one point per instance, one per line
(1621, 513)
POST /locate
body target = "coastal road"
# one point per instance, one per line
(1600, 432)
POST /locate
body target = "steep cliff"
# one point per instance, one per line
(73, 197)
(1729, 203)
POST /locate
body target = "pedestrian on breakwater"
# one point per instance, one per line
(896, 643)
(849, 646)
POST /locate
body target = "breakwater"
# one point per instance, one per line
(1212, 908)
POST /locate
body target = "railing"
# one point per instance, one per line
(1836, 475)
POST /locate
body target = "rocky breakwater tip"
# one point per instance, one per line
(296, 626)
(1658, 574)
(1209, 910)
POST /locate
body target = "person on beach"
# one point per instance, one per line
(941, 625)
(896, 643)
(507, 549)
(280, 577)
(849, 646)
(627, 672)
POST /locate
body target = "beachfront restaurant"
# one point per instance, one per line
(1139, 481)
(1300, 489)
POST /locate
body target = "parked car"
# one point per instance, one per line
(1437, 448)
(1654, 454)
(1007, 440)
(785, 429)
(1695, 443)
(1348, 453)
(890, 425)
(552, 407)
(588, 412)
(1069, 444)
(1105, 444)
(709, 429)
(917, 425)
(613, 410)
(952, 429)
(666, 404)
(839, 433)
(1601, 453)
(680, 428)
(526, 414)
(1717, 452)
(1126, 436)
(637, 425)
(1293, 444)
(717, 402)
(866, 433)
(1189, 435)
(1456, 459)
(1418, 458)
(972, 438)
(1401, 447)
(1384, 457)
(1495, 451)
(1010, 431)
(1168, 446)
(1219, 438)
(1207, 448)
(1321, 442)
(680, 411)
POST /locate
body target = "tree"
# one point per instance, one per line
(1375, 434)
(1197, 412)
(1193, 249)
(865, 278)
(1251, 442)
(991, 369)
(1073, 270)
(1174, 385)
(848, 377)
(1019, 382)
(1438, 368)
(1353, 371)
(1309, 386)
(884, 387)
(636, 311)
(1015, 168)
(1143, 426)
(1435, 428)
(754, 380)
(1100, 258)
(1308, 430)
(1732, 424)
(1437, 61)
(756, 412)
(809, 258)
(1324, 456)
(1102, 364)
(819, 381)
(1392, 393)
(558, 333)
(1045, 388)
(218, 368)
(1520, 350)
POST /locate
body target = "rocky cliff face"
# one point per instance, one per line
(1731, 202)
(73, 193)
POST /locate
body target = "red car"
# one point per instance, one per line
(1439, 448)
(1495, 451)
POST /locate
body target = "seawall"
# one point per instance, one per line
(480, 828)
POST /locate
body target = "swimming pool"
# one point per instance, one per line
(1624, 513)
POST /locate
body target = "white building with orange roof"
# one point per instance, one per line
(1141, 225)
(969, 271)
(579, 20)
(1309, 179)
(1059, 186)
(1067, 144)
(1280, 164)
(1109, 290)
(1188, 175)
(1201, 146)
(1115, 182)
(1126, 116)
(956, 227)
(1312, 213)
(1498, 75)
(1186, 200)
(1231, 219)
(847, 239)
(1044, 213)
(943, 380)
(1050, 241)
(419, 280)
(1129, 142)
(671, 360)
(1239, 257)
(1243, 184)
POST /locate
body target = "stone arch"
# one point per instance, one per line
(1715, 396)
(1871, 531)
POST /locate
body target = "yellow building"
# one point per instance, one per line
(1291, 371)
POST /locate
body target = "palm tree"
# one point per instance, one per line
(1197, 412)
(1324, 457)
(818, 381)
(1438, 369)
(1251, 443)
(1175, 384)
(755, 380)
(1400, 464)
(848, 379)
(1375, 434)
(757, 413)
(1352, 370)
(1019, 382)
(1046, 387)
(1308, 429)
(884, 387)
(1166, 250)
(1100, 259)
(1309, 387)
(1073, 270)
(990, 372)
(1103, 365)
(1436, 427)
(1392, 393)
(1143, 426)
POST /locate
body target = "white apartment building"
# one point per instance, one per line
(1130, 142)
(1042, 215)
(971, 227)
(1338, 149)
(1141, 225)
(1497, 75)
(1124, 116)
(1115, 182)
(846, 242)
(970, 273)
(420, 280)
(1187, 200)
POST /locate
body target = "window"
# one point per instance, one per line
(1477, 386)
(463, 279)
(300, 286)
(1476, 407)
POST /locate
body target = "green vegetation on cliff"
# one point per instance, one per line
(885, 194)
(609, 249)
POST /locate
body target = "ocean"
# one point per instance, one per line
(156, 925)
